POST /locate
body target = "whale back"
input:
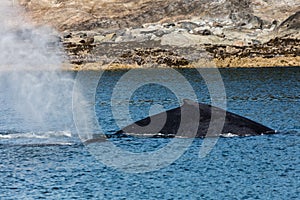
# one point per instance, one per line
(197, 121)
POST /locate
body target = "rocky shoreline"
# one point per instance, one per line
(232, 34)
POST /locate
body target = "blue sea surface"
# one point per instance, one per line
(54, 164)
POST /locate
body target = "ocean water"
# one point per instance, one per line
(54, 164)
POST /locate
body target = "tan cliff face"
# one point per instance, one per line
(90, 14)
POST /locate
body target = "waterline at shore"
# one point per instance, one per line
(219, 63)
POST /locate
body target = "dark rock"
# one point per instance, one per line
(169, 25)
(68, 35)
(153, 57)
(160, 33)
(203, 32)
(217, 24)
(187, 25)
(83, 35)
(90, 40)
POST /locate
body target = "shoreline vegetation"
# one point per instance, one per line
(131, 34)
(226, 63)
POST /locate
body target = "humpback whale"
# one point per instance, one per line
(196, 122)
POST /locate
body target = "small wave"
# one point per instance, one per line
(39, 144)
(150, 135)
(36, 135)
(38, 139)
(229, 135)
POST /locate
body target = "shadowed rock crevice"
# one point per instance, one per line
(292, 22)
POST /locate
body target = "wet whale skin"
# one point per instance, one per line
(196, 122)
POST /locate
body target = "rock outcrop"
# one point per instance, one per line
(177, 33)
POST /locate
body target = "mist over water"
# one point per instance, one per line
(39, 95)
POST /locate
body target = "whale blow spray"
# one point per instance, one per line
(32, 83)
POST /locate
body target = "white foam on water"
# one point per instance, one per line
(229, 135)
(38, 135)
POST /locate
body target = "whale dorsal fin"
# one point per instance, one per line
(188, 102)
